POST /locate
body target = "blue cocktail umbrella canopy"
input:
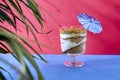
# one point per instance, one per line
(90, 23)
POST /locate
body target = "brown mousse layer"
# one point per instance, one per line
(76, 49)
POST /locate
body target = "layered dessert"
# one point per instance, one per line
(73, 40)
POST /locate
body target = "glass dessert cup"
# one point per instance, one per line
(73, 43)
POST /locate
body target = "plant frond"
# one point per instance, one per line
(2, 68)
(4, 17)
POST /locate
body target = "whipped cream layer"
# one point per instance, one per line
(67, 44)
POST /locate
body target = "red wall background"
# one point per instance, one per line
(65, 13)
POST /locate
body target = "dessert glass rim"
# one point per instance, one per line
(72, 29)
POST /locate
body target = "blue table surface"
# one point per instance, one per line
(96, 67)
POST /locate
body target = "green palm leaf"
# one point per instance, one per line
(24, 41)
(4, 48)
(18, 9)
(35, 10)
(2, 77)
(20, 51)
(5, 17)
(14, 42)
(2, 68)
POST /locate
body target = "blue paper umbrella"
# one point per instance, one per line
(90, 23)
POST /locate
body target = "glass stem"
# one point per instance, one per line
(73, 60)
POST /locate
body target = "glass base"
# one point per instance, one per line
(73, 64)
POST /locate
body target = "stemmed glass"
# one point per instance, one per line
(73, 43)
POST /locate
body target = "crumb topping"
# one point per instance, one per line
(72, 30)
